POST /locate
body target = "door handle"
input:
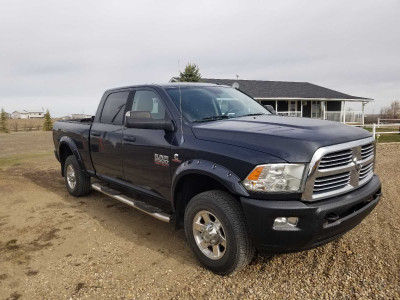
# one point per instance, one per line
(130, 138)
(95, 133)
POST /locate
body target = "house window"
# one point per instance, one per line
(316, 109)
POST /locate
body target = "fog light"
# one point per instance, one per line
(286, 223)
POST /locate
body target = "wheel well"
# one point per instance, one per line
(188, 187)
(65, 151)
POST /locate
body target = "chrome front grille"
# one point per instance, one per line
(339, 169)
(332, 182)
(335, 159)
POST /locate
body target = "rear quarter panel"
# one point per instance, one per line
(79, 133)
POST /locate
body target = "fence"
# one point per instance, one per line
(374, 132)
(289, 113)
(391, 121)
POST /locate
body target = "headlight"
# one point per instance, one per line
(275, 178)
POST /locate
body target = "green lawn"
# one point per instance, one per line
(386, 138)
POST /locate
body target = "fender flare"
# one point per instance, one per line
(221, 174)
(65, 140)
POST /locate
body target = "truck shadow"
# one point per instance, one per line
(122, 220)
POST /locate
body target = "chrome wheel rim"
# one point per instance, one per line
(71, 178)
(209, 235)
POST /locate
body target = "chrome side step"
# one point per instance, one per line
(142, 206)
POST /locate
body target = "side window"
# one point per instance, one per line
(113, 110)
(148, 101)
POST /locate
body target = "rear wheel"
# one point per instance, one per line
(77, 182)
(216, 231)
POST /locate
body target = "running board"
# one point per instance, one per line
(139, 205)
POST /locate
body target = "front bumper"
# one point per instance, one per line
(313, 228)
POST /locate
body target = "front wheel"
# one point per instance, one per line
(216, 231)
(77, 182)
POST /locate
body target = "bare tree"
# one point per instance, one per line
(392, 111)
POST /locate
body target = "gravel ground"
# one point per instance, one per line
(54, 246)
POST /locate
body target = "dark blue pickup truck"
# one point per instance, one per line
(234, 175)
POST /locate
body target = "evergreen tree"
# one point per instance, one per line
(3, 121)
(190, 74)
(48, 123)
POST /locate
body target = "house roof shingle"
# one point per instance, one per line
(284, 89)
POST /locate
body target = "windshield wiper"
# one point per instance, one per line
(212, 118)
(250, 115)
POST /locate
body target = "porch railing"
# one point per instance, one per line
(350, 116)
(289, 113)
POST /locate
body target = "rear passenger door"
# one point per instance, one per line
(146, 152)
(106, 137)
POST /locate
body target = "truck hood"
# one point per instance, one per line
(289, 138)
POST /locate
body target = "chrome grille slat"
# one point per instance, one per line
(370, 146)
(334, 164)
(332, 177)
(366, 171)
(367, 151)
(330, 187)
(331, 184)
(337, 154)
(335, 159)
(349, 157)
(339, 169)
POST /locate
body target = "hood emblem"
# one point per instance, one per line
(357, 164)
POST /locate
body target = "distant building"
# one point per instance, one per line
(8, 115)
(80, 116)
(25, 114)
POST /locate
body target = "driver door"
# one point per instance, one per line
(146, 152)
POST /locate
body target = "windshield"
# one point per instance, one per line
(208, 103)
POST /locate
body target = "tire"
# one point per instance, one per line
(76, 181)
(237, 249)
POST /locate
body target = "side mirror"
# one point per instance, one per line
(143, 120)
(270, 109)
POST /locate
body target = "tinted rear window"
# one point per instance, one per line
(114, 108)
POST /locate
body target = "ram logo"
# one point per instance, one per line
(162, 160)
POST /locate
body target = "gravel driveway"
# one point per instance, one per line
(54, 246)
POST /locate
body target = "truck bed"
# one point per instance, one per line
(78, 130)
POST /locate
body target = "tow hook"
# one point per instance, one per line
(332, 217)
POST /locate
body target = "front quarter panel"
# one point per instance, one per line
(224, 176)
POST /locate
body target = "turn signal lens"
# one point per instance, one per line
(255, 173)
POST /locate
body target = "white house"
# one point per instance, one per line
(25, 114)
(299, 99)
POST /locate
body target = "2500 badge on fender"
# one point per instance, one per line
(241, 177)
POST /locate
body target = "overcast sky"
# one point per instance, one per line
(62, 55)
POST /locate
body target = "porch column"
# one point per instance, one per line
(276, 105)
(363, 111)
(324, 107)
(301, 108)
(344, 111)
